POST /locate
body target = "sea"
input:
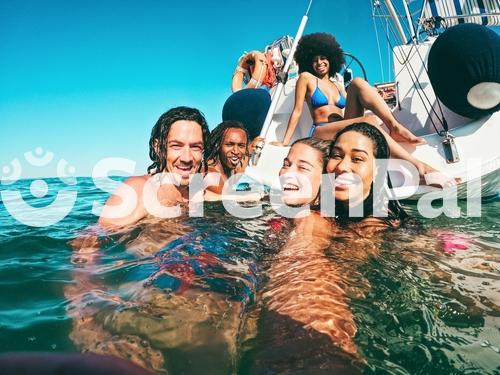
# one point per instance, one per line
(185, 295)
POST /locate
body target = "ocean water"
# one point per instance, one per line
(184, 296)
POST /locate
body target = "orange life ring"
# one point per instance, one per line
(255, 69)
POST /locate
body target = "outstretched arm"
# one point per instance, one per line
(306, 287)
(300, 97)
(87, 296)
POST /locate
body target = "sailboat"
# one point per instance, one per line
(461, 125)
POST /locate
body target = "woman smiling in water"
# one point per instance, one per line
(306, 285)
(352, 159)
(304, 299)
(300, 175)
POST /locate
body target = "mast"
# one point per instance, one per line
(414, 35)
(395, 18)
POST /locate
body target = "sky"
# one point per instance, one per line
(87, 80)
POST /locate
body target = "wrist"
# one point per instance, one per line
(392, 125)
(240, 69)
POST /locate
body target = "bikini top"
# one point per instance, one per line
(318, 99)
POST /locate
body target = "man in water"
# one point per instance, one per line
(176, 148)
(195, 323)
(228, 152)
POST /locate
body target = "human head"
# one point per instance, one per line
(227, 144)
(354, 151)
(300, 175)
(319, 44)
(352, 157)
(176, 142)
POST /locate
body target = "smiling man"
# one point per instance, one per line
(228, 152)
(176, 148)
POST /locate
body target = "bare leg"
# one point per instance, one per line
(361, 96)
(329, 131)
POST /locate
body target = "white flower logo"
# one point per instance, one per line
(38, 216)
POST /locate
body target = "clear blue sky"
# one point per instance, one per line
(88, 79)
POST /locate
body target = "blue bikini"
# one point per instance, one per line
(319, 99)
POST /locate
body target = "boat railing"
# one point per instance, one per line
(485, 13)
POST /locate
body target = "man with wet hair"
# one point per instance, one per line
(177, 150)
(228, 152)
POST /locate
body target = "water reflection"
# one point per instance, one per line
(168, 295)
(219, 295)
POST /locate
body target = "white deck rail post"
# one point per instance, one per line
(279, 87)
(395, 18)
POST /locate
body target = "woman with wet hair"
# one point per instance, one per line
(305, 313)
(353, 154)
(310, 284)
(350, 160)
(320, 57)
(300, 175)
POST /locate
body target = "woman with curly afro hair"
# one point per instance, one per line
(320, 57)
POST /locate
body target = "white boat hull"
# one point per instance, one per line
(476, 140)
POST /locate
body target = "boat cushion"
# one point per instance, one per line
(461, 58)
(248, 106)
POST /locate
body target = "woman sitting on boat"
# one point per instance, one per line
(332, 108)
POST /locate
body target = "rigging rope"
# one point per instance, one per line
(389, 54)
(405, 62)
(378, 47)
(441, 119)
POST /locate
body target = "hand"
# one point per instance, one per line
(255, 142)
(243, 61)
(277, 143)
(247, 58)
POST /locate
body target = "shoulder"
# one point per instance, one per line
(215, 178)
(372, 226)
(305, 81)
(313, 224)
(306, 77)
(130, 189)
(214, 167)
(125, 205)
(137, 182)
